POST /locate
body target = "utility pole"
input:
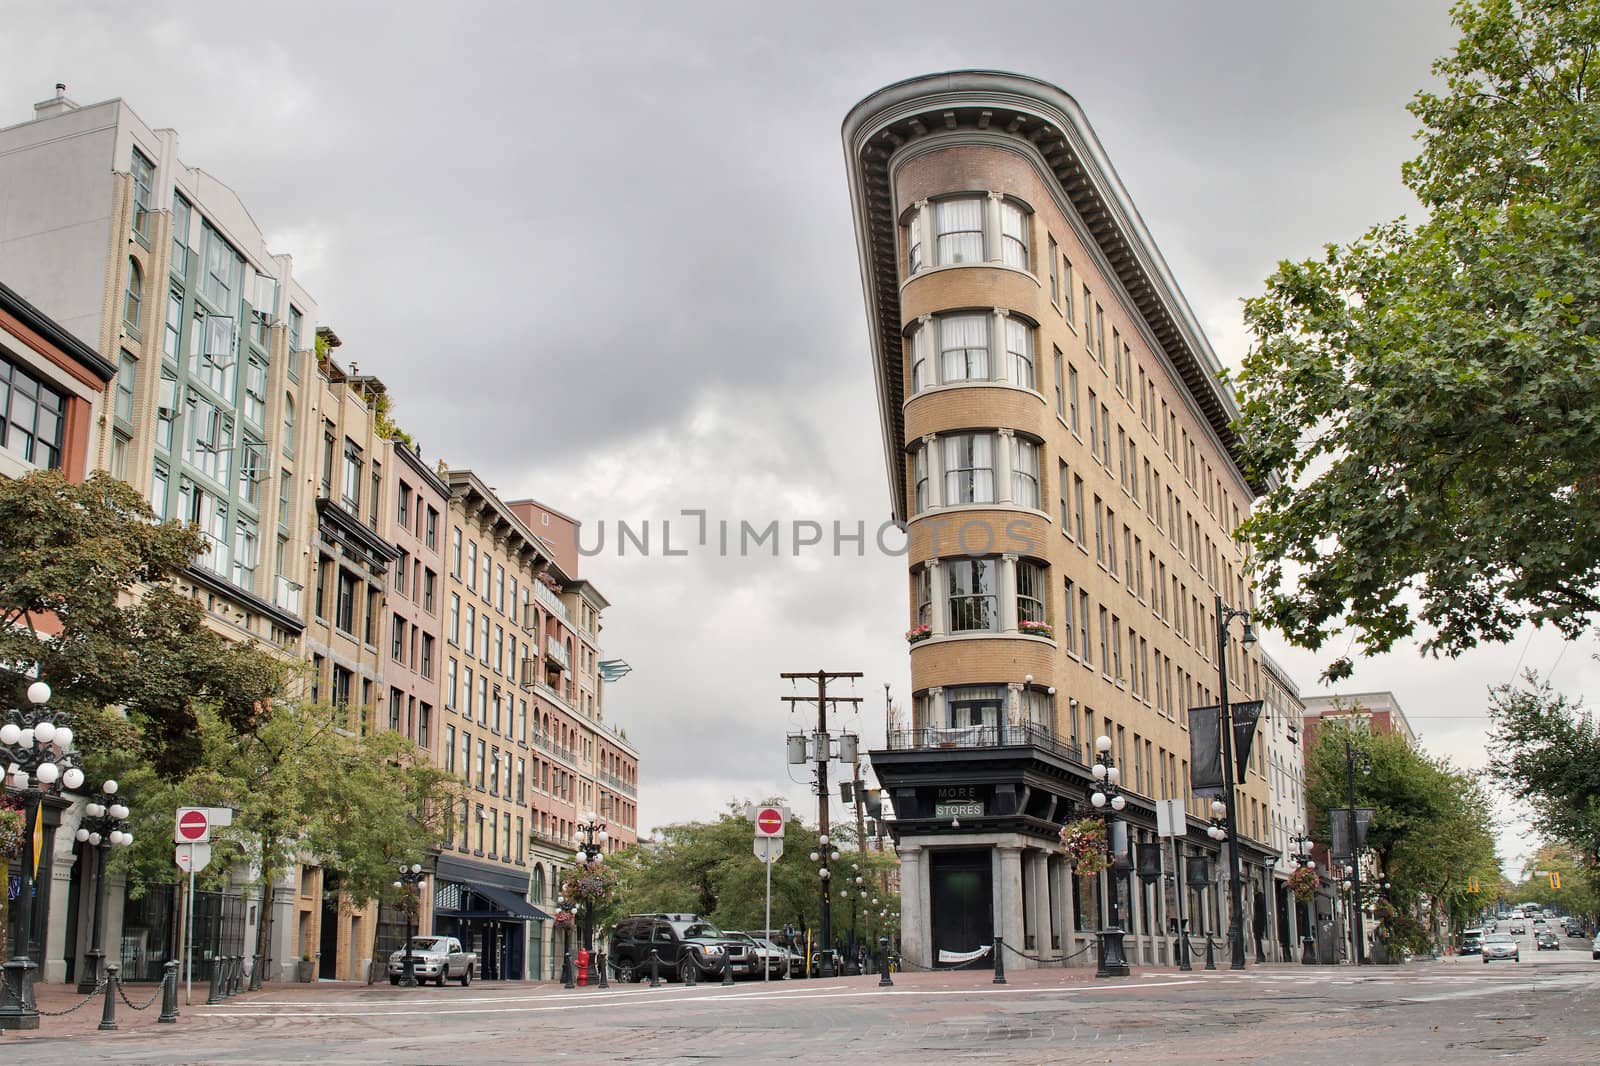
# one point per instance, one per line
(1355, 857)
(820, 755)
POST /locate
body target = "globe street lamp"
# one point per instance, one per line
(592, 837)
(1108, 793)
(410, 885)
(104, 826)
(822, 857)
(1302, 859)
(36, 746)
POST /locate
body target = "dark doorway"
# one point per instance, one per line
(961, 899)
(328, 962)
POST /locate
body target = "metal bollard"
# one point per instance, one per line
(727, 968)
(1211, 955)
(690, 973)
(999, 960)
(1308, 955)
(108, 1017)
(1183, 953)
(255, 974)
(214, 997)
(230, 986)
(884, 981)
(238, 974)
(169, 992)
(567, 971)
(655, 969)
(603, 967)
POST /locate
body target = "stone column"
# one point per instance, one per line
(936, 595)
(1134, 920)
(1008, 900)
(991, 227)
(1044, 927)
(930, 444)
(1002, 465)
(1008, 592)
(914, 925)
(1066, 904)
(938, 711)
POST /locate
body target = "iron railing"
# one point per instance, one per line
(1014, 735)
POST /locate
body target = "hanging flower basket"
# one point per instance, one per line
(1303, 882)
(13, 829)
(918, 633)
(563, 919)
(1034, 629)
(592, 883)
(1086, 845)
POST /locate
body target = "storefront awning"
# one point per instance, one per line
(484, 901)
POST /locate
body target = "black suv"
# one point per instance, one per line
(682, 942)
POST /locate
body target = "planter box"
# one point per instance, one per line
(305, 971)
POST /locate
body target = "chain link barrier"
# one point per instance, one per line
(1045, 963)
(98, 989)
(123, 992)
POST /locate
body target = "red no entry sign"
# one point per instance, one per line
(769, 822)
(193, 825)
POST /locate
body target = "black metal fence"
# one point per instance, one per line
(1016, 735)
(151, 934)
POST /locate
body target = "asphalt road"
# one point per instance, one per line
(1545, 1009)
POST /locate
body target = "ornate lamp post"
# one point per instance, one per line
(1108, 793)
(36, 745)
(592, 837)
(1303, 860)
(410, 884)
(1225, 618)
(822, 858)
(564, 923)
(104, 826)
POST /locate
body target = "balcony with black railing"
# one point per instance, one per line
(999, 735)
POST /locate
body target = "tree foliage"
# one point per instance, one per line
(1430, 394)
(1432, 827)
(85, 593)
(709, 868)
(1545, 751)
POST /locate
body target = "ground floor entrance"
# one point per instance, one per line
(961, 906)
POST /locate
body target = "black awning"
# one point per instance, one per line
(513, 905)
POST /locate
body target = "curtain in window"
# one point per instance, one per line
(964, 347)
(972, 600)
(1024, 473)
(1030, 592)
(919, 359)
(919, 477)
(958, 229)
(914, 242)
(1019, 352)
(1013, 236)
(968, 469)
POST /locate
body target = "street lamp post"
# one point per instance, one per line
(564, 908)
(104, 827)
(1351, 756)
(822, 857)
(36, 745)
(1302, 858)
(1225, 618)
(410, 884)
(592, 837)
(1107, 793)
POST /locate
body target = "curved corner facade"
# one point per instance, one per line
(1058, 443)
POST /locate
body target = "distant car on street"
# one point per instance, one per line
(775, 958)
(1518, 928)
(1546, 941)
(1471, 941)
(1500, 946)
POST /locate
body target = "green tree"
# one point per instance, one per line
(1430, 394)
(86, 594)
(1432, 827)
(1545, 751)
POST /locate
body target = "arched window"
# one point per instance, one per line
(133, 298)
(538, 883)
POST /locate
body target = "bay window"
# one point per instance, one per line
(1014, 236)
(964, 348)
(919, 480)
(958, 231)
(1030, 592)
(973, 595)
(1019, 351)
(968, 469)
(1024, 473)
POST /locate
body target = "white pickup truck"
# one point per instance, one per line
(434, 958)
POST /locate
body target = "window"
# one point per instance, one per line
(958, 231)
(913, 239)
(1077, 509)
(133, 298)
(426, 666)
(1030, 592)
(397, 642)
(968, 469)
(252, 468)
(971, 706)
(1069, 619)
(1014, 236)
(350, 486)
(922, 580)
(1066, 288)
(1061, 492)
(328, 444)
(450, 683)
(455, 618)
(428, 577)
(472, 566)
(1094, 428)
(181, 214)
(431, 529)
(1055, 274)
(1061, 387)
(455, 552)
(919, 480)
(159, 480)
(964, 348)
(1105, 640)
(255, 392)
(144, 179)
(1024, 473)
(472, 630)
(296, 324)
(288, 424)
(919, 359)
(403, 508)
(1099, 531)
(127, 372)
(1072, 398)
(972, 595)
(1083, 626)
(1019, 351)
(377, 494)
(345, 609)
(223, 271)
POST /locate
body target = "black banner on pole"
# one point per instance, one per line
(1339, 831)
(1245, 716)
(1205, 751)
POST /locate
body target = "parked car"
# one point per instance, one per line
(1471, 941)
(1500, 946)
(1546, 941)
(683, 943)
(1595, 947)
(434, 958)
(776, 958)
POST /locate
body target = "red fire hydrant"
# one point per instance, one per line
(583, 966)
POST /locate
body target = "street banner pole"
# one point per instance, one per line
(188, 951)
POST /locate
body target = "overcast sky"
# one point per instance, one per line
(603, 255)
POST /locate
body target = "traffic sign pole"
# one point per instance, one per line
(766, 930)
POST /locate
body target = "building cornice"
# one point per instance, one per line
(56, 335)
(1053, 128)
(468, 489)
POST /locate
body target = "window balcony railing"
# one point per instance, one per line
(1022, 734)
(213, 554)
(287, 595)
(550, 599)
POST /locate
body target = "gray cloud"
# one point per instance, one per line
(604, 256)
